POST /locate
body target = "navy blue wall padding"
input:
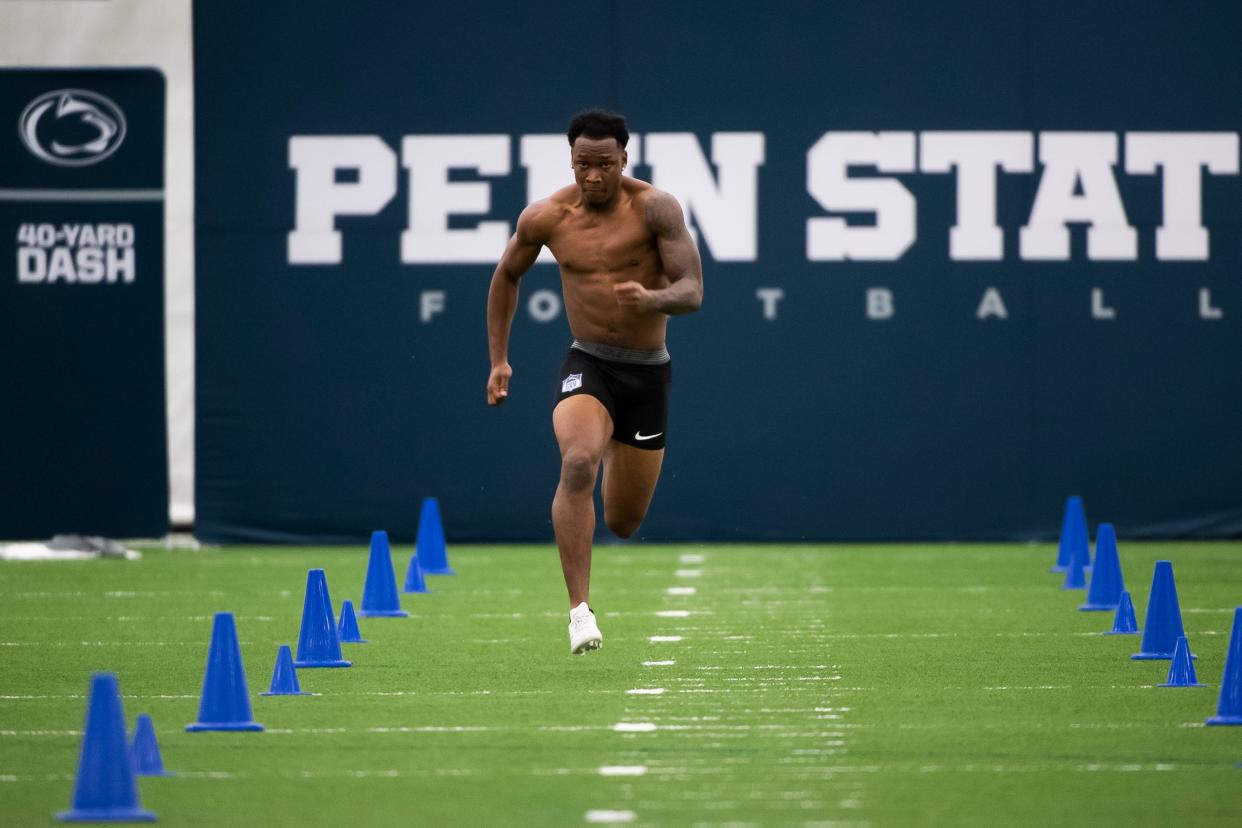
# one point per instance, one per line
(83, 435)
(327, 409)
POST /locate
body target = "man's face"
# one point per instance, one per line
(597, 164)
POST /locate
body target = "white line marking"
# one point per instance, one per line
(215, 593)
(82, 195)
(634, 727)
(40, 733)
(407, 729)
(681, 590)
(106, 643)
(673, 614)
(658, 663)
(55, 696)
(425, 729)
(611, 816)
(346, 773)
(1033, 687)
(688, 573)
(645, 691)
(1042, 768)
(141, 619)
(622, 770)
(207, 775)
(658, 639)
(690, 558)
(366, 774)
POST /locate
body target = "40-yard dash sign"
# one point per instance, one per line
(85, 253)
(82, 302)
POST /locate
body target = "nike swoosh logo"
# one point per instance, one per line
(638, 435)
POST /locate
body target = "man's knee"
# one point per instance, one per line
(578, 471)
(622, 524)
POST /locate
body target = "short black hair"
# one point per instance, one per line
(599, 123)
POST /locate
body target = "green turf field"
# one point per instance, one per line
(807, 685)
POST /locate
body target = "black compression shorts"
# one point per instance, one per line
(635, 394)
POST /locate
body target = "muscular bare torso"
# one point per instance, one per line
(599, 249)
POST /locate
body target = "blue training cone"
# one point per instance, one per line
(1075, 577)
(225, 703)
(1182, 667)
(1124, 622)
(145, 749)
(1073, 533)
(106, 789)
(347, 627)
(319, 644)
(1106, 581)
(1229, 710)
(431, 551)
(285, 676)
(414, 580)
(379, 595)
(1162, 625)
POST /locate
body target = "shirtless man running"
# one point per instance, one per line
(627, 263)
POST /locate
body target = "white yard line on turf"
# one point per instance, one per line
(611, 816)
(691, 558)
(215, 593)
(108, 643)
(129, 618)
(1158, 767)
(634, 727)
(289, 774)
(40, 733)
(432, 729)
(620, 816)
(622, 770)
(1036, 687)
(406, 729)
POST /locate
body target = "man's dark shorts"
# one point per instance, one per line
(634, 393)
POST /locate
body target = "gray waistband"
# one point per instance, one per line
(637, 356)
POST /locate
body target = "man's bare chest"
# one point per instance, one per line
(596, 246)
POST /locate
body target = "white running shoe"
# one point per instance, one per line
(584, 633)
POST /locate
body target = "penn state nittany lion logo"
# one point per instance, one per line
(72, 127)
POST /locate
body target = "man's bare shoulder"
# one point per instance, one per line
(661, 209)
(637, 188)
(566, 197)
(540, 218)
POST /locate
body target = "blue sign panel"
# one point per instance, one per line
(81, 303)
(960, 262)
